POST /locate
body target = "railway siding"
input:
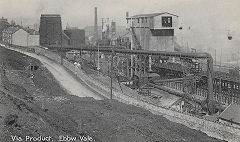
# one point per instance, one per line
(213, 129)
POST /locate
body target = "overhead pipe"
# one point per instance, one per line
(206, 56)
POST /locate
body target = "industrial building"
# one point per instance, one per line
(153, 31)
(51, 30)
(76, 36)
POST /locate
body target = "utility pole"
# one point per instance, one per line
(98, 67)
(102, 29)
(220, 86)
(27, 39)
(111, 75)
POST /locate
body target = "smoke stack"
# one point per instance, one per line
(113, 27)
(127, 14)
(95, 26)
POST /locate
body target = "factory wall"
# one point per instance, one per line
(161, 43)
(33, 40)
(140, 22)
(65, 40)
(77, 36)
(50, 29)
(154, 43)
(151, 33)
(143, 36)
(157, 22)
(20, 38)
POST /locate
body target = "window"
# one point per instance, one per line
(127, 20)
(167, 21)
(146, 20)
(142, 20)
(138, 20)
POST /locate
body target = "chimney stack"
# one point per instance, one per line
(127, 14)
(95, 26)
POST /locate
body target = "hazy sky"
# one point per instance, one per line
(209, 19)
(80, 12)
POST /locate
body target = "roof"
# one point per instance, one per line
(231, 113)
(151, 15)
(11, 29)
(65, 35)
(32, 31)
(50, 15)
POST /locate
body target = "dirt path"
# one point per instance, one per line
(65, 78)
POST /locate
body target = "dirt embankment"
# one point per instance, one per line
(33, 104)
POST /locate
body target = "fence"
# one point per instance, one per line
(211, 128)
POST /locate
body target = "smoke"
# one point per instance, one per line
(209, 19)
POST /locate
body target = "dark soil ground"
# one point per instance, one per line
(34, 104)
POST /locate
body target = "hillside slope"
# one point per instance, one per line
(34, 104)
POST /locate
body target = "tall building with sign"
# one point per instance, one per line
(153, 31)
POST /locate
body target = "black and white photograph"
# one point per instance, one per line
(119, 70)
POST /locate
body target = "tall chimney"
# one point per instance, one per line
(127, 14)
(95, 26)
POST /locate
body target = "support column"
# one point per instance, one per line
(90, 56)
(210, 96)
(140, 67)
(94, 57)
(111, 76)
(150, 63)
(127, 68)
(131, 75)
(144, 64)
(131, 68)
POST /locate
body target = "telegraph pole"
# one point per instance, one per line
(111, 75)
(98, 67)
(102, 29)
